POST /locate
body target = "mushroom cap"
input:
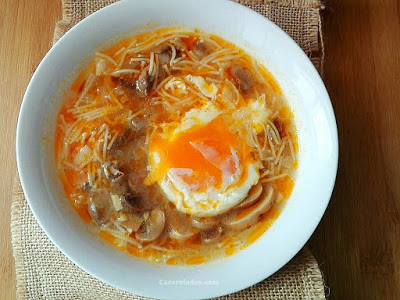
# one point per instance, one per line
(152, 227)
(242, 220)
(203, 223)
(252, 196)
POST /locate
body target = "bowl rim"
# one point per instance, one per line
(21, 151)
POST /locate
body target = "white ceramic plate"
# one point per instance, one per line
(306, 95)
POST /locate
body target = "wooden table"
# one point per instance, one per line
(358, 240)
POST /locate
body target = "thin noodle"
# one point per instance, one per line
(102, 128)
(119, 227)
(78, 109)
(64, 124)
(98, 179)
(166, 69)
(173, 56)
(155, 76)
(217, 53)
(211, 41)
(71, 127)
(139, 59)
(151, 64)
(102, 55)
(162, 83)
(292, 150)
(83, 137)
(112, 140)
(193, 57)
(280, 151)
(115, 100)
(88, 85)
(167, 95)
(178, 60)
(257, 70)
(105, 144)
(125, 71)
(278, 169)
(130, 49)
(275, 131)
(273, 178)
(222, 59)
(71, 166)
(235, 90)
(213, 80)
(96, 155)
(190, 89)
(178, 30)
(125, 53)
(124, 237)
(119, 51)
(153, 43)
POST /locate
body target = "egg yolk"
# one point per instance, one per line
(203, 156)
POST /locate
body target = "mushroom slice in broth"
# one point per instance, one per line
(152, 226)
(248, 216)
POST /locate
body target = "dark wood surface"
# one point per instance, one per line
(358, 241)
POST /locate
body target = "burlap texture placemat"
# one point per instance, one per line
(43, 272)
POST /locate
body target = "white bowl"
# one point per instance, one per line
(307, 97)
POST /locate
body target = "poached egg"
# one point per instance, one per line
(202, 166)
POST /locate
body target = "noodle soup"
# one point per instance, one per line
(178, 146)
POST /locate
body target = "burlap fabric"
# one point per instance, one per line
(43, 272)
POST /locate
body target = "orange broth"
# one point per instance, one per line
(108, 123)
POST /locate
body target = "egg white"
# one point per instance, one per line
(197, 116)
(213, 201)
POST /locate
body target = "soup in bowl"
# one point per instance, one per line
(202, 146)
(177, 146)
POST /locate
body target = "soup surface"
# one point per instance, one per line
(178, 146)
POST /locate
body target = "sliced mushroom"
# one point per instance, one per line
(202, 49)
(164, 54)
(152, 226)
(131, 202)
(203, 223)
(164, 58)
(211, 235)
(99, 208)
(111, 171)
(242, 77)
(182, 234)
(87, 186)
(127, 83)
(133, 223)
(179, 226)
(140, 124)
(249, 215)
(252, 196)
(143, 82)
(122, 139)
(119, 187)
